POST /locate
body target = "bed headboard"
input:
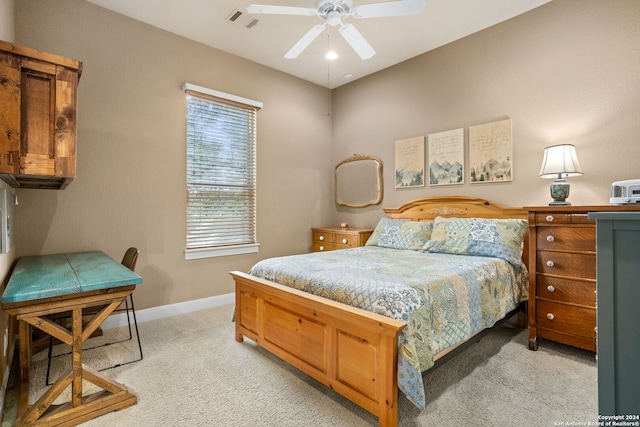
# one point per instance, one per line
(428, 208)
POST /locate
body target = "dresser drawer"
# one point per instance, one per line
(322, 236)
(566, 264)
(566, 238)
(564, 290)
(546, 218)
(567, 319)
(543, 218)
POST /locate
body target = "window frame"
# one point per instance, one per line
(237, 101)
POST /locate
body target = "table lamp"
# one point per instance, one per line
(559, 162)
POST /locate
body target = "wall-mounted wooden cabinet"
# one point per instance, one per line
(38, 105)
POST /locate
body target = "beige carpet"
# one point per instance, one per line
(195, 374)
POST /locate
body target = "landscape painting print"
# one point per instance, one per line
(410, 162)
(446, 157)
(491, 152)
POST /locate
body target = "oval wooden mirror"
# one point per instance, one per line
(358, 181)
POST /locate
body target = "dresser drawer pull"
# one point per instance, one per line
(345, 241)
(550, 238)
(550, 263)
(549, 218)
(551, 288)
(321, 248)
(550, 316)
(321, 238)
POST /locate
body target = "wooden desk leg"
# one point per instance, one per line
(76, 358)
(114, 396)
(24, 348)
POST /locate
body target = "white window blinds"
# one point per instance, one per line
(221, 173)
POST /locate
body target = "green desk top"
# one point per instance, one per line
(47, 276)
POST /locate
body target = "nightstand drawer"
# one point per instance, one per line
(566, 264)
(567, 319)
(350, 240)
(564, 290)
(566, 238)
(321, 236)
(323, 247)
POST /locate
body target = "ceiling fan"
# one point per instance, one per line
(333, 11)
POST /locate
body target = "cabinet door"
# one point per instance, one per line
(48, 122)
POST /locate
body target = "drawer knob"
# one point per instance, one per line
(551, 288)
(321, 238)
(550, 316)
(549, 218)
(550, 263)
(345, 241)
(321, 248)
(550, 238)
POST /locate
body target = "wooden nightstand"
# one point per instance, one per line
(332, 238)
(562, 280)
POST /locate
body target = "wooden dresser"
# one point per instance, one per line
(332, 238)
(562, 283)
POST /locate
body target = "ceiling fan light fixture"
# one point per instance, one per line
(331, 55)
(333, 18)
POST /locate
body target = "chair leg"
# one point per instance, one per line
(135, 323)
(126, 306)
(49, 353)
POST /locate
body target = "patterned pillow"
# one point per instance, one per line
(498, 238)
(400, 234)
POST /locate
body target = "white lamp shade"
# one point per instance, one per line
(560, 161)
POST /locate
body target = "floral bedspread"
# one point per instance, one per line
(444, 299)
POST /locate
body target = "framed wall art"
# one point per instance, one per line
(446, 157)
(409, 162)
(491, 152)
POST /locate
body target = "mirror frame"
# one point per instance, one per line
(380, 189)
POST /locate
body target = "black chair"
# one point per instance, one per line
(129, 260)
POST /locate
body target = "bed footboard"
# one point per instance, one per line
(352, 351)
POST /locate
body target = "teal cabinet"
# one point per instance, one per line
(618, 312)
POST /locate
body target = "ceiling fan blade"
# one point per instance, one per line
(280, 10)
(357, 42)
(304, 41)
(391, 8)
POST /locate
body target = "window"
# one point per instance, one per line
(221, 173)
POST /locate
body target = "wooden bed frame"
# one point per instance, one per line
(350, 350)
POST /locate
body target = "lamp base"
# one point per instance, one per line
(559, 192)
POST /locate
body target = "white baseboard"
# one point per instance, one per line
(153, 313)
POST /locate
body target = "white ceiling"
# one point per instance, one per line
(395, 39)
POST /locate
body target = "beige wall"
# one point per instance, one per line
(130, 186)
(6, 20)
(566, 72)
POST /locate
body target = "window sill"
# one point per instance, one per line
(221, 251)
